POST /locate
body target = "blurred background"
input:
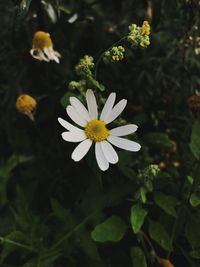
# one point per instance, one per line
(50, 205)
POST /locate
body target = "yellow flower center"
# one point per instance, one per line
(96, 130)
(26, 104)
(42, 40)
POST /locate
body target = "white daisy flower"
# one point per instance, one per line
(43, 48)
(95, 130)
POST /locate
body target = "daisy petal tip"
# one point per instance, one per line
(60, 120)
(138, 147)
(74, 158)
(62, 134)
(104, 169)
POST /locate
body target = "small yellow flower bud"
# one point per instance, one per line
(26, 105)
(42, 40)
(145, 43)
(145, 29)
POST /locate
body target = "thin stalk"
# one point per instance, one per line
(9, 241)
(78, 226)
(101, 56)
(148, 241)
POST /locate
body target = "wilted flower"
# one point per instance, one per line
(116, 53)
(194, 101)
(164, 262)
(26, 105)
(95, 130)
(43, 48)
(139, 36)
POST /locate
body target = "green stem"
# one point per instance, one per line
(78, 226)
(102, 54)
(174, 231)
(148, 241)
(196, 178)
(185, 254)
(6, 240)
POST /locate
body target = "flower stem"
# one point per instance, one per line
(148, 241)
(73, 230)
(9, 241)
(101, 56)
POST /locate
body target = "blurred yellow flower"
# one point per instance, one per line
(43, 48)
(26, 104)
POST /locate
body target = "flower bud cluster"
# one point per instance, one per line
(116, 53)
(139, 36)
(85, 65)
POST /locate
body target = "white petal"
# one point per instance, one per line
(73, 114)
(50, 53)
(116, 111)
(101, 160)
(73, 18)
(74, 136)
(109, 152)
(38, 54)
(76, 103)
(124, 143)
(123, 130)
(57, 54)
(68, 125)
(108, 106)
(55, 57)
(92, 104)
(81, 150)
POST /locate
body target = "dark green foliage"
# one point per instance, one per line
(55, 212)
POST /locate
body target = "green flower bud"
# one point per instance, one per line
(116, 53)
(80, 85)
(85, 65)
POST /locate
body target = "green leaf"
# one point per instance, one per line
(8, 248)
(113, 229)
(192, 230)
(94, 83)
(64, 101)
(195, 254)
(44, 260)
(138, 257)
(190, 179)
(124, 165)
(158, 233)
(194, 200)
(158, 140)
(60, 212)
(166, 203)
(138, 215)
(13, 162)
(143, 193)
(195, 140)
